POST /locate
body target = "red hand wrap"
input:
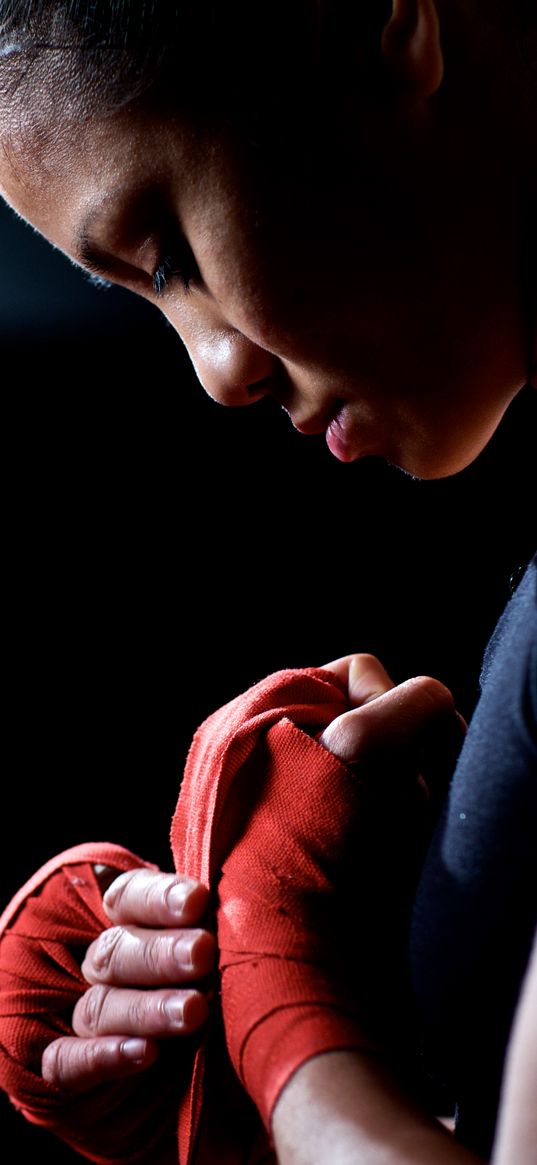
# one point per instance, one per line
(268, 818)
(44, 933)
(270, 821)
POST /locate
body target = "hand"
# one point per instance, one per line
(316, 888)
(412, 727)
(402, 744)
(143, 974)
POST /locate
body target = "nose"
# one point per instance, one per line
(232, 368)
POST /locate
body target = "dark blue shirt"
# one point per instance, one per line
(475, 912)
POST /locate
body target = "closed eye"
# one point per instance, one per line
(122, 258)
(179, 264)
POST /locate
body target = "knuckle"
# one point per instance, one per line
(54, 1062)
(139, 1009)
(103, 954)
(150, 892)
(366, 660)
(66, 1063)
(119, 890)
(90, 1010)
(91, 1056)
(434, 694)
(143, 896)
(135, 893)
(154, 953)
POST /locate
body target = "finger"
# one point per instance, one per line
(109, 1010)
(133, 957)
(146, 898)
(79, 1065)
(401, 718)
(363, 675)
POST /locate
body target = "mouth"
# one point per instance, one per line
(317, 423)
(339, 427)
(342, 437)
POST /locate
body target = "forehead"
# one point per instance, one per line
(59, 174)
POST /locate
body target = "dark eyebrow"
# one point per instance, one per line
(86, 250)
(89, 255)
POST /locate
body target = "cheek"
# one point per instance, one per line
(261, 264)
(265, 301)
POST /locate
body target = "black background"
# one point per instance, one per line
(161, 553)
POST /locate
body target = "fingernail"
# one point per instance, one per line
(182, 953)
(174, 1009)
(133, 1050)
(177, 897)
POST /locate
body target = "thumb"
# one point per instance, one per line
(363, 675)
(400, 719)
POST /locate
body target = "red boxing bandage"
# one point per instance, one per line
(44, 934)
(270, 820)
(283, 835)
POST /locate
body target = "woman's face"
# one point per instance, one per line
(372, 286)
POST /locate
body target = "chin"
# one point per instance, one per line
(435, 462)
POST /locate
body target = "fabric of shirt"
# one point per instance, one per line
(475, 912)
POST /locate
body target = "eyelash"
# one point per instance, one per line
(98, 281)
(170, 268)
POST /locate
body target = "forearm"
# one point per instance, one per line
(517, 1127)
(344, 1108)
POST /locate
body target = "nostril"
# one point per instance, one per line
(261, 387)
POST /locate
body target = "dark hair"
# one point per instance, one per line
(102, 52)
(98, 55)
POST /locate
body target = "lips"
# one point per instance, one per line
(337, 424)
(318, 422)
(341, 436)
